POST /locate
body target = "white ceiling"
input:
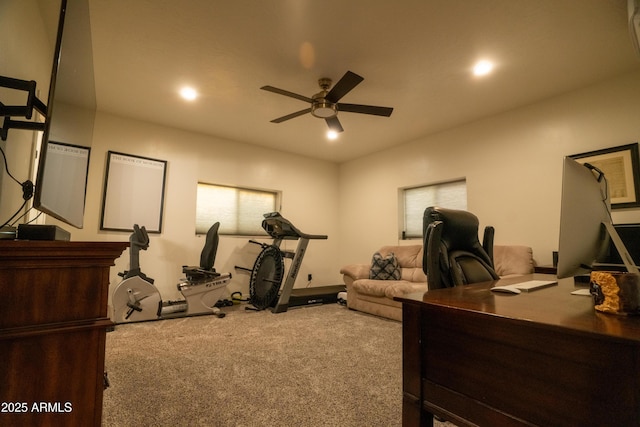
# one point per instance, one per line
(415, 56)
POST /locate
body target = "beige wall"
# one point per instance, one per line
(512, 163)
(26, 53)
(309, 189)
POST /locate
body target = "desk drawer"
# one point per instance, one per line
(528, 371)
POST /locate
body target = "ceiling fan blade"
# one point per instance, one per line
(287, 93)
(334, 124)
(344, 85)
(365, 109)
(291, 116)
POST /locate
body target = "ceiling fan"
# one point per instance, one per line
(325, 105)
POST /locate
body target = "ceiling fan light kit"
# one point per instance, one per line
(323, 109)
(325, 105)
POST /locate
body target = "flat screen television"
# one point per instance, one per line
(630, 236)
(63, 162)
(586, 228)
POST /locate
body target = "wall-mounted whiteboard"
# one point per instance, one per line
(133, 193)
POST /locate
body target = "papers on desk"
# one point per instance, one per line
(529, 285)
(584, 291)
(532, 285)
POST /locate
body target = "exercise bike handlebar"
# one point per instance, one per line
(279, 227)
(139, 240)
(139, 237)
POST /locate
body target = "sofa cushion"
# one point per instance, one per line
(408, 256)
(387, 288)
(370, 286)
(402, 288)
(413, 275)
(384, 267)
(512, 260)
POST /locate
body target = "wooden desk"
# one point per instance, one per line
(541, 358)
(53, 321)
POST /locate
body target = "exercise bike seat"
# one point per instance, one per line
(207, 258)
(196, 274)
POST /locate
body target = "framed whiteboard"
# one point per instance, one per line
(133, 193)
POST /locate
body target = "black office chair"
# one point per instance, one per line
(452, 253)
(207, 258)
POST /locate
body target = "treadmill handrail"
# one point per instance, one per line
(279, 227)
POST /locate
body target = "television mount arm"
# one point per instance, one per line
(26, 111)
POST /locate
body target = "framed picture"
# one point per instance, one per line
(133, 193)
(621, 169)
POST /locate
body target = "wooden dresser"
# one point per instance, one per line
(53, 323)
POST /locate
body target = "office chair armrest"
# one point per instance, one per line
(487, 242)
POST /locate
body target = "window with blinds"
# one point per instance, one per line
(240, 211)
(452, 195)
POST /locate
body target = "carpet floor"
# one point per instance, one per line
(312, 366)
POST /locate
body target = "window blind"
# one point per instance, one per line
(240, 211)
(452, 195)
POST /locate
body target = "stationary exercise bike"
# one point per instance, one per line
(136, 299)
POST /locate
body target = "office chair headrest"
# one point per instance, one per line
(460, 228)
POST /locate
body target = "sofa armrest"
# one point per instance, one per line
(356, 271)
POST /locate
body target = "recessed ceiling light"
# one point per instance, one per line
(188, 93)
(332, 134)
(482, 68)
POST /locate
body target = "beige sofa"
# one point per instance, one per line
(376, 296)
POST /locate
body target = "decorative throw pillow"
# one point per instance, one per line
(384, 268)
